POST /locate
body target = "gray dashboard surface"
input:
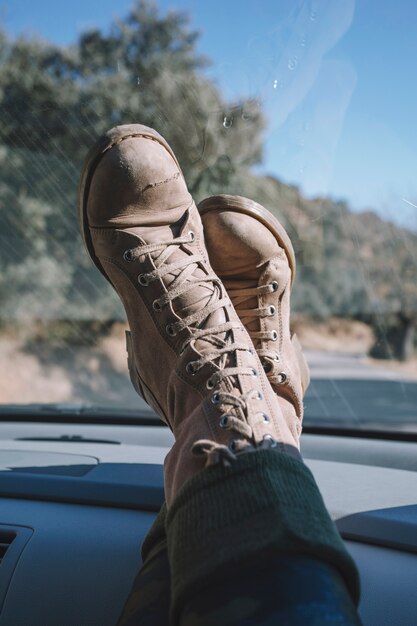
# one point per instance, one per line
(388, 585)
(128, 485)
(354, 475)
(78, 565)
(393, 528)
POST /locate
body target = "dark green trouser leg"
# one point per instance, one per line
(285, 591)
(252, 544)
(149, 599)
(247, 545)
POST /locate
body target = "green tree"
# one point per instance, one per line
(55, 102)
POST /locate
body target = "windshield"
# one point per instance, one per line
(306, 106)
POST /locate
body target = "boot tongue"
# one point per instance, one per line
(232, 283)
(197, 297)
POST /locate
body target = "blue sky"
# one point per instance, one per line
(337, 79)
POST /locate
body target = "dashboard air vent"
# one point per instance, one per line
(5, 541)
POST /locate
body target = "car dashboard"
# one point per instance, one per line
(76, 501)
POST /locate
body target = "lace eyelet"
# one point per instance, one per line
(191, 236)
(282, 377)
(274, 336)
(267, 365)
(170, 330)
(215, 398)
(276, 358)
(272, 310)
(254, 373)
(224, 421)
(156, 305)
(274, 285)
(209, 384)
(259, 396)
(143, 280)
(128, 255)
(266, 418)
(273, 443)
(190, 368)
(232, 445)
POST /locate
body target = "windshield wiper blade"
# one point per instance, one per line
(78, 413)
(388, 434)
(69, 439)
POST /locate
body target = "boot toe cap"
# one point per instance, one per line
(135, 174)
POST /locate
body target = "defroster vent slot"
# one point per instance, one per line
(5, 540)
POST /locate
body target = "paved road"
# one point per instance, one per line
(353, 366)
(346, 391)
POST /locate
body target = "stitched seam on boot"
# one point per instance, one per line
(159, 183)
(160, 411)
(116, 142)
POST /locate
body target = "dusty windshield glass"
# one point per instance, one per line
(307, 107)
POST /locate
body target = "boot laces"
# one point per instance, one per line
(240, 298)
(218, 337)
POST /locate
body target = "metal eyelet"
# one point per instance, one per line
(254, 373)
(274, 285)
(191, 236)
(224, 421)
(272, 310)
(143, 280)
(271, 439)
(282, 377)
(128, 255)
(209, 384)
(267, 365)
(232, 445)
(274, 336)
(190, 369)
(171, 330)
(156, 305)
(215, 398)
(276, 358)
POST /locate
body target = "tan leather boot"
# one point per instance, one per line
(190, 357)
(252, 254)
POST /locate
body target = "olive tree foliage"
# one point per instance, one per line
(349, 264)
(54, 103)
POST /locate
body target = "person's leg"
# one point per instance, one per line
(296, 579)
(253, 255)
(192, 360)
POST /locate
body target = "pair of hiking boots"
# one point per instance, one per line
(207, 296)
